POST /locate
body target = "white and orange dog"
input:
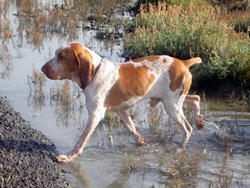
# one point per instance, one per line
(117, 87)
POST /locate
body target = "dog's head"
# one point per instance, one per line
(71, 61)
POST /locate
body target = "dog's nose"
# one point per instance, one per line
(44, 70)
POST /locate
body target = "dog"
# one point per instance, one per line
(117, 87)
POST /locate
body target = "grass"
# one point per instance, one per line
(185, 32)
(110, 118)
(134, 162)
(155, 116)
(224, 176)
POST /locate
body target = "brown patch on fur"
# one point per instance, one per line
(133, 81)
(180, 70)
(177, 72)
(187, 83)
(148, 58)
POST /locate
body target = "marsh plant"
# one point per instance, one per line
(6, 59)
(175, 170)
(184, 169)
(155, 116)
(113, 121)
(134, 162)
(39, 21)
(36, 83)
(225, 176)
(110, 118)
(185, 32)
(245, 174)
(180, 168)
(6, 30)
(135, 111)
(162, 128)
(66, 104)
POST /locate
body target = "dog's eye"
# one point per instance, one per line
(62, 55)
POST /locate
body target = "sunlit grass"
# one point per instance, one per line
(204, 31)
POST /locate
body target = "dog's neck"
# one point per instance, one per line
(94, 73)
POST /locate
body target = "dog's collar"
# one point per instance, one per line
(94, 73)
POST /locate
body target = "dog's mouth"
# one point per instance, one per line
(50, 74)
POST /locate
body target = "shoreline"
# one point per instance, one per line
(27, 157)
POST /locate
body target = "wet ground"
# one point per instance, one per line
(216, 156)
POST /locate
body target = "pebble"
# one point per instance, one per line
(27, 157)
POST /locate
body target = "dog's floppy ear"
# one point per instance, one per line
(86, 67)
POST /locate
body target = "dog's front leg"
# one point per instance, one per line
(93, 120)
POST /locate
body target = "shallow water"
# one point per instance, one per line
(217, 155)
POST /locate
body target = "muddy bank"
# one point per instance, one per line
(26, 156)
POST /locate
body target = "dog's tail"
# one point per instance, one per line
(192, 61)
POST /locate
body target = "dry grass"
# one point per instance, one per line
(225, 177)
(110, 118)
(36, 81)
(155, 116)
(6, 30)
(39, 20)
(5, 61)
(66, 105)
(36, 84)
(134, 162)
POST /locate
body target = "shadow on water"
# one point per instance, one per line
(216, 156)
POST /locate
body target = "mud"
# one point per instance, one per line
(26, 155)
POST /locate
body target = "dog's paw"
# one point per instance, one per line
(141, 142)
(63, 158)
(199, 122)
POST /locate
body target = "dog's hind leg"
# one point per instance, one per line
(175, 112)
(130, 124)
(194, 102)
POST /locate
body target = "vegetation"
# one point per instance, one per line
(215, 34)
